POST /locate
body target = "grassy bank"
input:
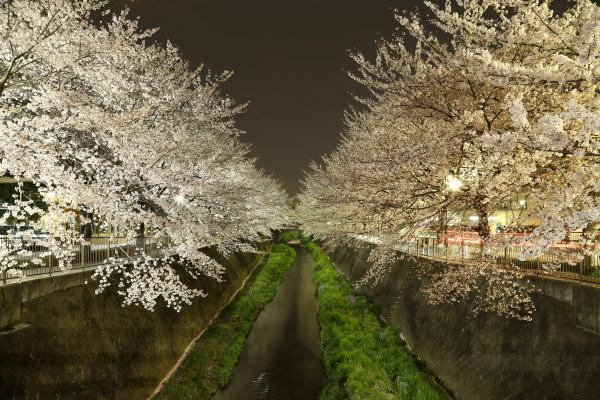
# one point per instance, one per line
(363, 359)
(210, 364)
(290, 235)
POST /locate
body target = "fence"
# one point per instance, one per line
(562, 260)
(35, 258)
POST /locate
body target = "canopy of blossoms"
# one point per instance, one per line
(489, 99)
(115, 128)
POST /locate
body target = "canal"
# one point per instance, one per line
(281, 359)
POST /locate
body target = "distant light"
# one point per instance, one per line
(474, 218)
(522, 202)
(493, 218)
(454, 184)
(52, 196)
(180, 199)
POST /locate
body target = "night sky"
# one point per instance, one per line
(290, 60)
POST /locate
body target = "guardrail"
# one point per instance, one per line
(94, 252)
(561, 261)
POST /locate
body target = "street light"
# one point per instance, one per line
(454, 184)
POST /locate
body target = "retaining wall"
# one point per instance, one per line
(555, 357)
(79, 345)
(14, 295)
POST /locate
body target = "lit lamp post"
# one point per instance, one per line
(453, 185)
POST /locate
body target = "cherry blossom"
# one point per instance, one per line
(116, 128)
(488, 100)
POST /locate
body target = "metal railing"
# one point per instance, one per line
(36, 259)
(561, 261)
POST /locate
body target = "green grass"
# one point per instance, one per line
(363, 359)
(290, 235)
(210, 364)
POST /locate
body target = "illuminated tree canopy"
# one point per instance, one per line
(113, 127)
(487, 100)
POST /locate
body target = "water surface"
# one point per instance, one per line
(281, 359)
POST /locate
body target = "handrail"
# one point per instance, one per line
(39, 260)
(557, 262)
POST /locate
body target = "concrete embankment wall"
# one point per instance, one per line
(556, 356)
(79, 345)
(14, 295)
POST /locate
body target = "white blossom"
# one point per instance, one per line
(502, 96)
(112, 126)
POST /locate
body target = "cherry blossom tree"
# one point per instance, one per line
(116, 128)
(486, 100)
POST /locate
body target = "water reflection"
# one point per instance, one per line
(282, 359)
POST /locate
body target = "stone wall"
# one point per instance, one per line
(556, 356)
(79, 345)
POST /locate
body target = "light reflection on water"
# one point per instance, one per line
(281, 359)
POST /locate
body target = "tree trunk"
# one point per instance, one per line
(483, 225)
(140, 241)
(483, 222)
(87, 231)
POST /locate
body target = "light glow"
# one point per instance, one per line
(52, 197)
(180, 199)
(454, 184)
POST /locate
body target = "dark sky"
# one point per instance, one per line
(290, 62)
